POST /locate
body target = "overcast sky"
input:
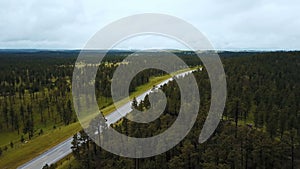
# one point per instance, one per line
(228, 24)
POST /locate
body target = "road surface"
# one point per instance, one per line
(63, 149)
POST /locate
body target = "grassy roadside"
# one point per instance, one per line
(141, 89)
(22, 153)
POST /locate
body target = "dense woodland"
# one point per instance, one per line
(259, 129)
(260, 126)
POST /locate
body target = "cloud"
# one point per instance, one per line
(231, 24)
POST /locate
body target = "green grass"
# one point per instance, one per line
(7, 137)
(24, 152)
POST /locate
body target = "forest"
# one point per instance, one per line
(259, 129)
(260, 126)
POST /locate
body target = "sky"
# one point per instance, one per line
(227, 24)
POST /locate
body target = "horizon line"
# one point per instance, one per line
(154, 49)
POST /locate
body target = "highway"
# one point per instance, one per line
(63, 149)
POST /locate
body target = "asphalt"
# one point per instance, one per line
(63, 149)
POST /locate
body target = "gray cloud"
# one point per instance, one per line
(231, 24)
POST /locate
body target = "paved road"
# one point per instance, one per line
(63, 149)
